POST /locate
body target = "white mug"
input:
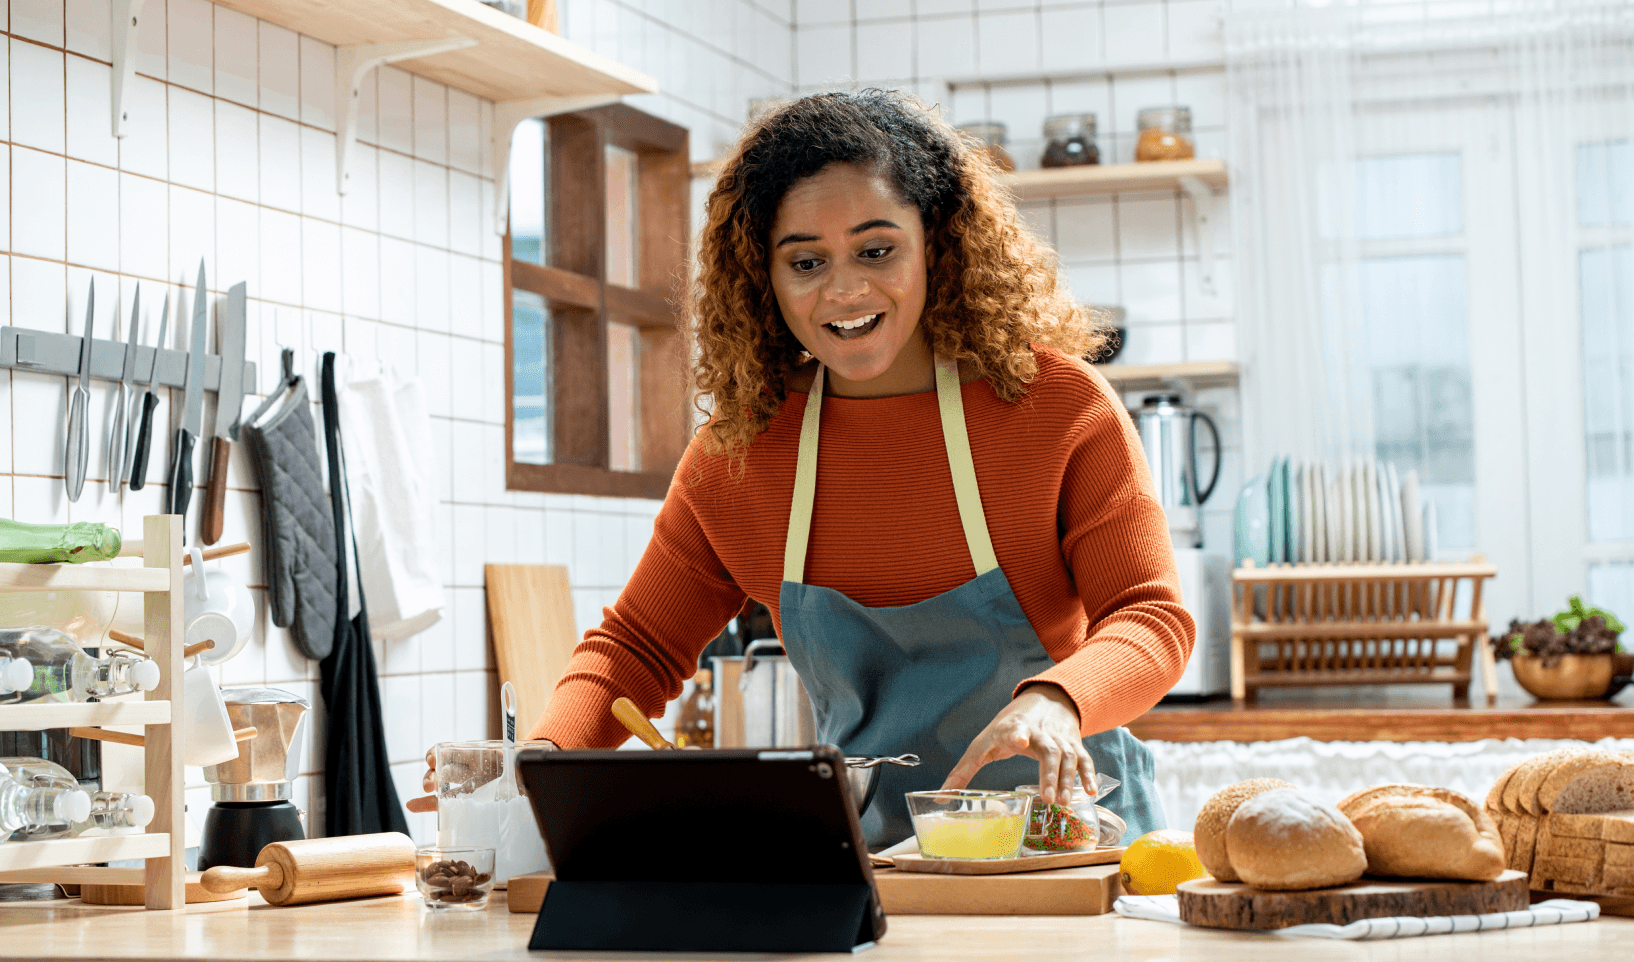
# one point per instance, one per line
(207, 732)
(217, 608)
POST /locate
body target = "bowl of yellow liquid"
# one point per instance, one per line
(969, 824)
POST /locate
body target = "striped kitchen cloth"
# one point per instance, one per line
(1164, 908)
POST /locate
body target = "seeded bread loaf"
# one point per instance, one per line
(1209, 832)
(1283, 840)
(1415, 831)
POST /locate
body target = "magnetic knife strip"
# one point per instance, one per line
(50, 353)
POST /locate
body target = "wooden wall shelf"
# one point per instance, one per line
(1153, 377)
(511, 60)
(1115, 178)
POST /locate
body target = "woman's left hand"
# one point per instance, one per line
(1041, 722)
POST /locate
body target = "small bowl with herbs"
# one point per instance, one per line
(1573, 656)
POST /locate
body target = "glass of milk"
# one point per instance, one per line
(480, 805)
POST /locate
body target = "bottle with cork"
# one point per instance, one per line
(695, 728)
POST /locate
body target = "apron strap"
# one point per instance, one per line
(957, 438)
(950, 403)
(805, 485)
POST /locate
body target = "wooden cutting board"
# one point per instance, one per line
(119, 893)
(1085, 890)
(530, 617)
(1007, 866)
(1233, 905)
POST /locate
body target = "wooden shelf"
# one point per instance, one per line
(38, 717)
(1114, 178)
(70, 851)
(21, 577)
(512, 59)
(1153, 377)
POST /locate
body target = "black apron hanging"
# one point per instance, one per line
(359, 798)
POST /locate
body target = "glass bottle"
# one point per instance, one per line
(39, 800)
(113, 811)
(992, 135)
(1071, 141)
(1165, 134)
(45, 543)
(695, 728)
(63, 672)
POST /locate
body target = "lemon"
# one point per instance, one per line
(1158, 861)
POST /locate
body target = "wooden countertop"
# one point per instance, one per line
(1426, 715)
(399, 928)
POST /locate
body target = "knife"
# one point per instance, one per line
(143, 437)
(181, 464)
(77, 453)
(229, 397)
(118, 454)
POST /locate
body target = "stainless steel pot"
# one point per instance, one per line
(759, 701)
(862, 772)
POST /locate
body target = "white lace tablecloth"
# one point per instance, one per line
(1189, 772)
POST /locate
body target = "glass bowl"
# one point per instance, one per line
(968, 824)
(454, 878)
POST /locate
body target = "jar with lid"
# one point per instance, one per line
(1071, 141)
(992, 135)
(1074, 826)
(1165, 134)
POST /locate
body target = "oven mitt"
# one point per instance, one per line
(297, 520)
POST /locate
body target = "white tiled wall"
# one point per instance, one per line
(231, 157)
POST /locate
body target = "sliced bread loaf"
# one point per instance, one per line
(1604, 786)
(1521, 794)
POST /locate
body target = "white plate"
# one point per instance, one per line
(1370, 494)
(1432, 540)
(1347, 515)
(1392, 506)
(1298, 530)
(1387, 528)
(1319, 493)
(1412, 514)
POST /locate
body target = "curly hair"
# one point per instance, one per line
(991, 288)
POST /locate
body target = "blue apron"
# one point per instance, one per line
(927, 678)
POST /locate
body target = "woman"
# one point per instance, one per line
(974, 567)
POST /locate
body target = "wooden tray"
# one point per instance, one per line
(1233, 905)
(1007, 866)
(1085, 890)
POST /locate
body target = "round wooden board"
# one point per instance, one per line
(1233, 905)
(1007, 866)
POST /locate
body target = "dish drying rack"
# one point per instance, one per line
(61, 859)
(1359, 624)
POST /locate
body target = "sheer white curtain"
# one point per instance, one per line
(1435, 214)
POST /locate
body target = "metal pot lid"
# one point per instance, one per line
(262, 696)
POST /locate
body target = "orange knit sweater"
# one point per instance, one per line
(1069, 504)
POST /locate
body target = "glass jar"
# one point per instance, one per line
(1071, 141)
(1165, 134)
(992, 135)
(1073, 827)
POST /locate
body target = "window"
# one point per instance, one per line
(597, 388)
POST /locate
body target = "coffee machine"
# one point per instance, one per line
(251, 793)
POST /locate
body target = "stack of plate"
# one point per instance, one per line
(1307, 511)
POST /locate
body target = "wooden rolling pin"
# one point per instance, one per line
(133, 549)
(638, 724)
(131, 641)
(139, 741)
(323, 869)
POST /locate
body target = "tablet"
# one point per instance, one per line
(718, 850)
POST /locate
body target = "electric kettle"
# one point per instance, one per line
(1168, 433)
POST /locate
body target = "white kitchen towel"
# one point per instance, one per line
(389, 460)
(1164, 908)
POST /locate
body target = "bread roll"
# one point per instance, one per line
(1421, 835)
(1209, 832)
(1284, 840)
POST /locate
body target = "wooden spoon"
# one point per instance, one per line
(632, 718)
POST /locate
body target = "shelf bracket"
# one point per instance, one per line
(123, 15)
(1203, 201)
(509, 113)
(352, 63)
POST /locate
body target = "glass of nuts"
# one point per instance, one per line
(454, 878)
